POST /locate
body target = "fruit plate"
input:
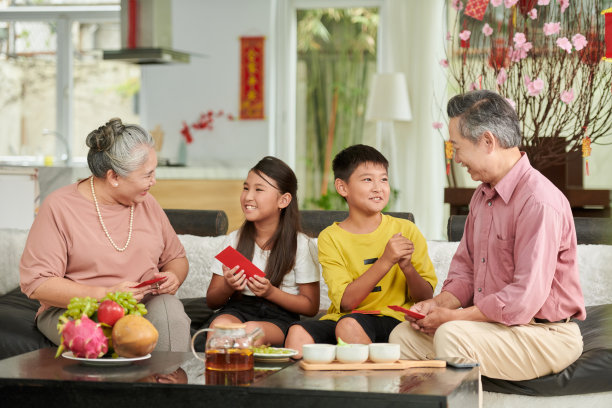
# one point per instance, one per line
(119, 361)
(274, 354)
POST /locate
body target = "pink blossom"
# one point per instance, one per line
(511, 102)
(457, 5)
(487, 30)
(521, 47)
(437, 125)
(567, 96)
(510, 3)
(502, 76)
(552, 28)
(465, 35)
(519, 39)
(444, 63)
(579, 41)
(543, 2)
(564, 4)
(535, 87)
(496, 3)
(533, 14)
(565, 44)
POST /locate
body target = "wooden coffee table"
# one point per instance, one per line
(170, 379)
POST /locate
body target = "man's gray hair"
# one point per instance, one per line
(118, 147)
(480, 111)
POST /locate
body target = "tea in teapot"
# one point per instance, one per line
(229, 347)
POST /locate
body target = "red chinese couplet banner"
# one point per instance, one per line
(608, 34)
(252, 77)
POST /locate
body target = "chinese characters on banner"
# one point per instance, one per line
(252, 77)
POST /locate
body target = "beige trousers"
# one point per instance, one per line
(516, 353)
(165, 312)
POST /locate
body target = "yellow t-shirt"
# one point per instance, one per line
(345, 256)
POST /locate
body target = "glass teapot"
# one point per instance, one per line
(229, 347)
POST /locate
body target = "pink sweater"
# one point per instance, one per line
(67, 240)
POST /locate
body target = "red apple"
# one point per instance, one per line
(109, 312)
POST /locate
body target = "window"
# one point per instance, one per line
(46, 49)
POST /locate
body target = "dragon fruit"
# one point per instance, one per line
(83, 337)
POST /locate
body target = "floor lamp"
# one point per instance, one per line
(388, 102)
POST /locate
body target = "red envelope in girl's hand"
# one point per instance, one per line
(231, 257)
(410, 313)
(149, 282)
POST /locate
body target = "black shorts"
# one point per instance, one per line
(377, 328)
(253, 308)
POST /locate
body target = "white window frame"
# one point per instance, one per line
(283, 140)
(63, 16)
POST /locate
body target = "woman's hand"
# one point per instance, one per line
(169, 285)
(236, 280)
(259, 286)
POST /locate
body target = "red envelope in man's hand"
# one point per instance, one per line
(231, 257)
(409, 312)
(149, 282)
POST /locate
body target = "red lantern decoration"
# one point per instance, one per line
(500, 55)
(608, 35)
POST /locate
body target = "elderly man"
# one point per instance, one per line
(513, 283)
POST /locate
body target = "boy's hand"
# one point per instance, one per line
(397, 248)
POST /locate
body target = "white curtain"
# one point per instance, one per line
(413, 41)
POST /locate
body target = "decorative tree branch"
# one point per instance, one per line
(561, 88)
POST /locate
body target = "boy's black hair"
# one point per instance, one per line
(350, 158)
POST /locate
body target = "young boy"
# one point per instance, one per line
(370, 260)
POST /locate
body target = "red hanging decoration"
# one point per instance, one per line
(586, 151)
(476, 8)
(448, 151)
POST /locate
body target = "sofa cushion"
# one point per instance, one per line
(18, 331)
(590, 373)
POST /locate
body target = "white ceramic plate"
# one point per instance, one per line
(281, 354)
(104, 361)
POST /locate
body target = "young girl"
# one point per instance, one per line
(270, 237)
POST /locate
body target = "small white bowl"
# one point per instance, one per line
(352, 353)
(318, 353)
(384, 352)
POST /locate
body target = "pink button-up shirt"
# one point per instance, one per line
(517, 258)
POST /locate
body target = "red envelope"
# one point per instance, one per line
(372, 312)
(149, 282)
(410, 313)
(231, 257)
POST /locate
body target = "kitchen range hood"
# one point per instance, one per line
(146, 34)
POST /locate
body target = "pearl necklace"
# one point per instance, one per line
(93, 193)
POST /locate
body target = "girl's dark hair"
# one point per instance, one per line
(283, 243)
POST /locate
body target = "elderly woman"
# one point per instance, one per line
(106, 234)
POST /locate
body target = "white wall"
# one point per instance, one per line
(175, 93)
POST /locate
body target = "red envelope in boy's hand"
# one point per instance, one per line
(231, 257)
(409, 312)
(149, 282)
(372, 312)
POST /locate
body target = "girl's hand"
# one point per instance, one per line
(259, 286)
(236, 280)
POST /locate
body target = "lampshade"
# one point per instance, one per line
(388, 99)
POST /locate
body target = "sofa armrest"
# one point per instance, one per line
(203, 223)
(589, 230)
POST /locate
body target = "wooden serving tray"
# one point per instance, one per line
(369, 365)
